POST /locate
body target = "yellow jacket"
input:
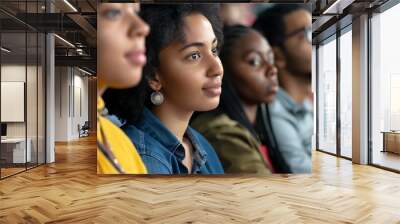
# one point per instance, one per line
(119, 155)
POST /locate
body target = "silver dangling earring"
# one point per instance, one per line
(157, 98)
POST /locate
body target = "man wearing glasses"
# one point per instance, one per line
(287, 27)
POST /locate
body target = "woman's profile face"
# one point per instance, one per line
(251, 68)
(190, 71)
(121, 45)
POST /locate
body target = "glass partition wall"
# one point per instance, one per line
(327, 95)
(385, 89)
(22, 88)
(334, 83)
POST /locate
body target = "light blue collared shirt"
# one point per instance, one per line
(293, 127)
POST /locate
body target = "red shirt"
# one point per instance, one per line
(264, 152)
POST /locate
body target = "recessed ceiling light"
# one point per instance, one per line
(70, 5)
(5, 50)
(84, 71)
(64, 40)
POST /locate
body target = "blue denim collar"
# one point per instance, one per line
(199, 154)
(151, 125)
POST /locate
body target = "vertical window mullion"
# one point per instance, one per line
(338, 98)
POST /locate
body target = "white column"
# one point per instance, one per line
(50, 99)
(50, 92)
(360, 90)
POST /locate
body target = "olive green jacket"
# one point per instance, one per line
(236, 147)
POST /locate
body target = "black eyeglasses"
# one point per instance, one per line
(306, 31)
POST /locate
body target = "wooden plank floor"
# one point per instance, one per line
(10, 171)
(69, 191)
(388, 159)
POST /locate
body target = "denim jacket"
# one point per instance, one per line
(162, 153)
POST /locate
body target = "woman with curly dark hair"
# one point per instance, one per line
(183, 75)
(250, 80)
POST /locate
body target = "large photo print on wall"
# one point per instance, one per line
(204, 88)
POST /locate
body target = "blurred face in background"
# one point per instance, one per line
(297, 44)
(236, 13)
(252, 69)
(190, 71)
(121, 45)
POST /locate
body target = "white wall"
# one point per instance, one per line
(80, 110)
(61, 103)
(71, 94)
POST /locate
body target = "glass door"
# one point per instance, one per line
(346, 92)
(327, 95)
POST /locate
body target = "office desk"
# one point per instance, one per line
(15, 148)
(391, 141)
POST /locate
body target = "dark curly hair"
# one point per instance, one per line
(166, 23)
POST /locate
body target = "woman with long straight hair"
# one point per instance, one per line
(121, 35)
